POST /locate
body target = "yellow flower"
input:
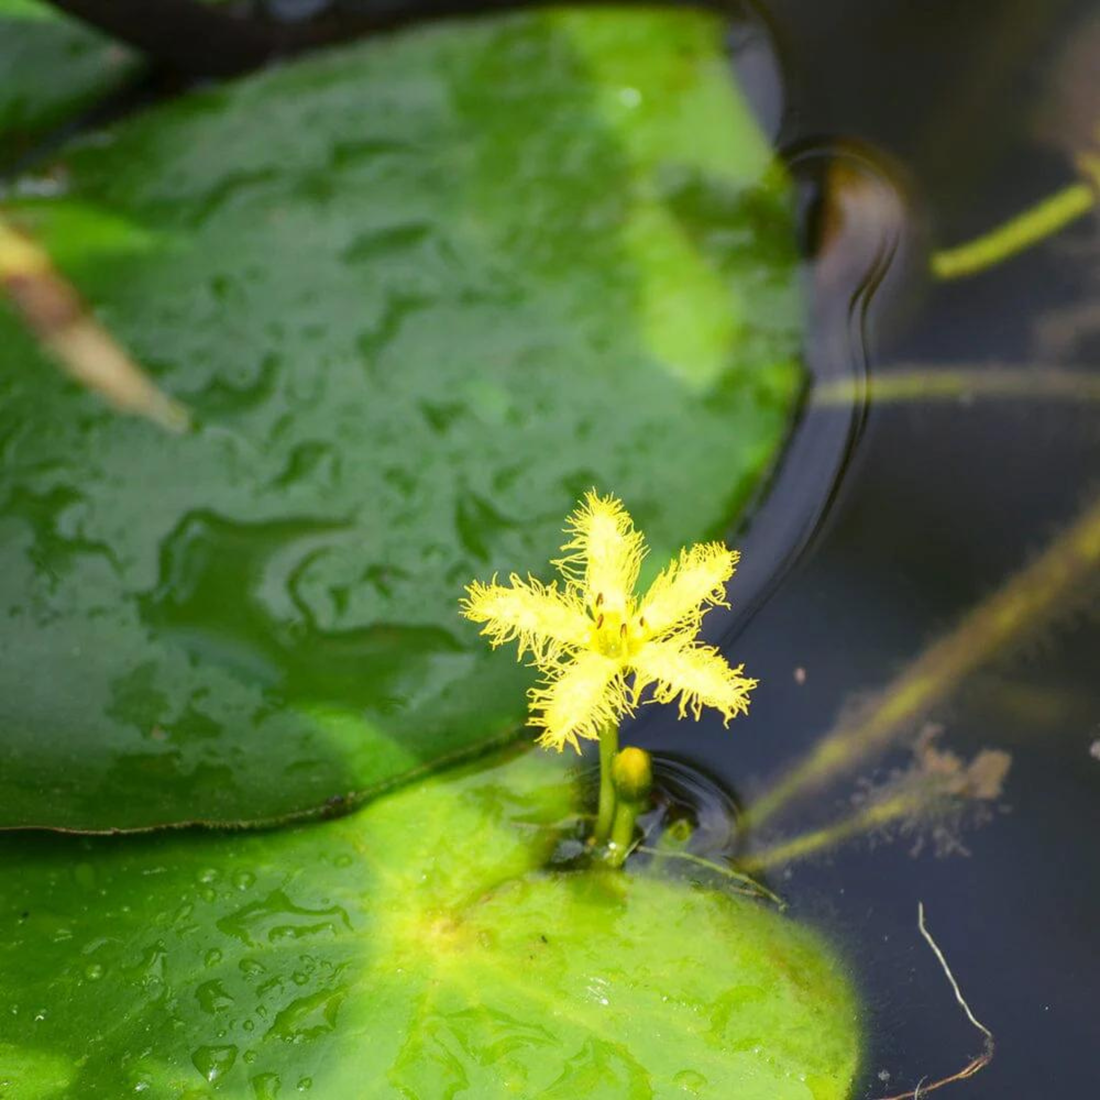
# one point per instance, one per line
(599, 645)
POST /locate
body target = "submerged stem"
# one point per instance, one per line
(901, 806)
(605, 817)
(1035, 224)
(1056, 577)
(751, 887)
(961, 384)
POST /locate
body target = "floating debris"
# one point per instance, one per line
(52, 310)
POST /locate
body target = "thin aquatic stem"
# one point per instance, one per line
(959, 384)
(1037, 223)
(1029, 598)
(876, 816)
(750, 885)
(605, 816)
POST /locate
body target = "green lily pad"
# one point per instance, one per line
(419, 294)
(417, 948)
(50, 67)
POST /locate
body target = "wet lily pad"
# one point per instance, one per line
(419, 294)
(50, 67)
(416, 948)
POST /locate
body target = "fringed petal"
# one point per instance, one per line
(543, 619)
(690, 586)
(698, 674)
(603, 554)
(579, 698)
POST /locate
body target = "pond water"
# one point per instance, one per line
(893, 518)
(939, 503)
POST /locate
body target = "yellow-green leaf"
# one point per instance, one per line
(418, 948)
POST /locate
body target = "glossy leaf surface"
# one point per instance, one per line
(414, 949)
(419, 295)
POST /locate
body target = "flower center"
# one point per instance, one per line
(616, 635)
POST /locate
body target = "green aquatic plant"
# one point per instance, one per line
(370, 957)
(359, 955)
(632, 778)
(599, 645)
(254, 620)
(411, 401)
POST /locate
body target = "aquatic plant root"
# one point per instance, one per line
(975, 1064)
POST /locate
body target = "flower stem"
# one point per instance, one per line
(605, 818)
(632, 778)
(622, 831)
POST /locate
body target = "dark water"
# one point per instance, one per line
(968, 114)
(890, 521)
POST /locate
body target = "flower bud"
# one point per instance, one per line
(632, 774)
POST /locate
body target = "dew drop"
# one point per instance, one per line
(690, 1081)
(276, 917)
(214, 1062)
(266, 1086)
(213, 997)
